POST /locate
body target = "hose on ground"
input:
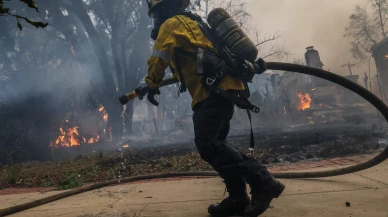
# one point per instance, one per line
(361, 91)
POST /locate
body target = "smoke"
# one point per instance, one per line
(302, 23)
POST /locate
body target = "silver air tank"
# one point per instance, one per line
(227, 29)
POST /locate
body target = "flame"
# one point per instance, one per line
(67, 121)
(93, 140)
(386, 56)
(304, 101)
(105, 115)
(67, 138)
(71, 137)
(126, 146)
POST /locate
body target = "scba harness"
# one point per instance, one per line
(213, 67)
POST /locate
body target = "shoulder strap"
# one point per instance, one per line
(178, 65)
(204, 27)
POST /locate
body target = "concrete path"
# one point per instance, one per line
(366, 191)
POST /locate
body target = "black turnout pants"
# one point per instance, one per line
(211, 125)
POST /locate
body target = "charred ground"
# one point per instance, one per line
(274, 147)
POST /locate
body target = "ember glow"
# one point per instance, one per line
(93, 140)
(105, 115)
(304, 101)
(110, 132)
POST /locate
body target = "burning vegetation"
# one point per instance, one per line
(71, 136)
(304, 101)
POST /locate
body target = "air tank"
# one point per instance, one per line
(228, 30)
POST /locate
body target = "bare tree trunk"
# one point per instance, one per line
(140, 54)
(80, 11)
(381, 20)
(109, 95)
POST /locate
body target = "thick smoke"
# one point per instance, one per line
(302, 23)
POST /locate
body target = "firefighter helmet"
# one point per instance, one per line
(153, 3)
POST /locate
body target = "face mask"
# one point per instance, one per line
(157, 21)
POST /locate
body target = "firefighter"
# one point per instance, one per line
(177, 38)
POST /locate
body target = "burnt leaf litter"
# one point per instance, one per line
(274, 148)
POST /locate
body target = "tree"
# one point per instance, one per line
(237, 9)
(4, 11)
(118, 35)
(368, 31)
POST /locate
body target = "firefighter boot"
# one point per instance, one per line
(235, 204)
(262, 197)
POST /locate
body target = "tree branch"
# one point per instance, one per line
(273, 38)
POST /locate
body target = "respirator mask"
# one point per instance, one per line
(157, 21)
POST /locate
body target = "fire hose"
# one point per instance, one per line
(361, 91)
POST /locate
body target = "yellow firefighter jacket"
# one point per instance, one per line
(182, 33)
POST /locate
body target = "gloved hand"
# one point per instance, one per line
(151, 95)
(141, 91)
(262, 66)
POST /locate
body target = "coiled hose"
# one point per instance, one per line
(364, 93)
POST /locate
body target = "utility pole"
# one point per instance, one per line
(366, 80)
(350, 66)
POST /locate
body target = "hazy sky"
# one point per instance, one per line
(302, 23)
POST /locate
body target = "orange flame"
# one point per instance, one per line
(304, 101)
(105, 115)
(93, 140)
(71, 137)
(67, 138)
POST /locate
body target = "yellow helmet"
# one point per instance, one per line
(152, 4)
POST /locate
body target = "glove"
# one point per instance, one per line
(151, 95)
(141, 91)
(262, 66)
